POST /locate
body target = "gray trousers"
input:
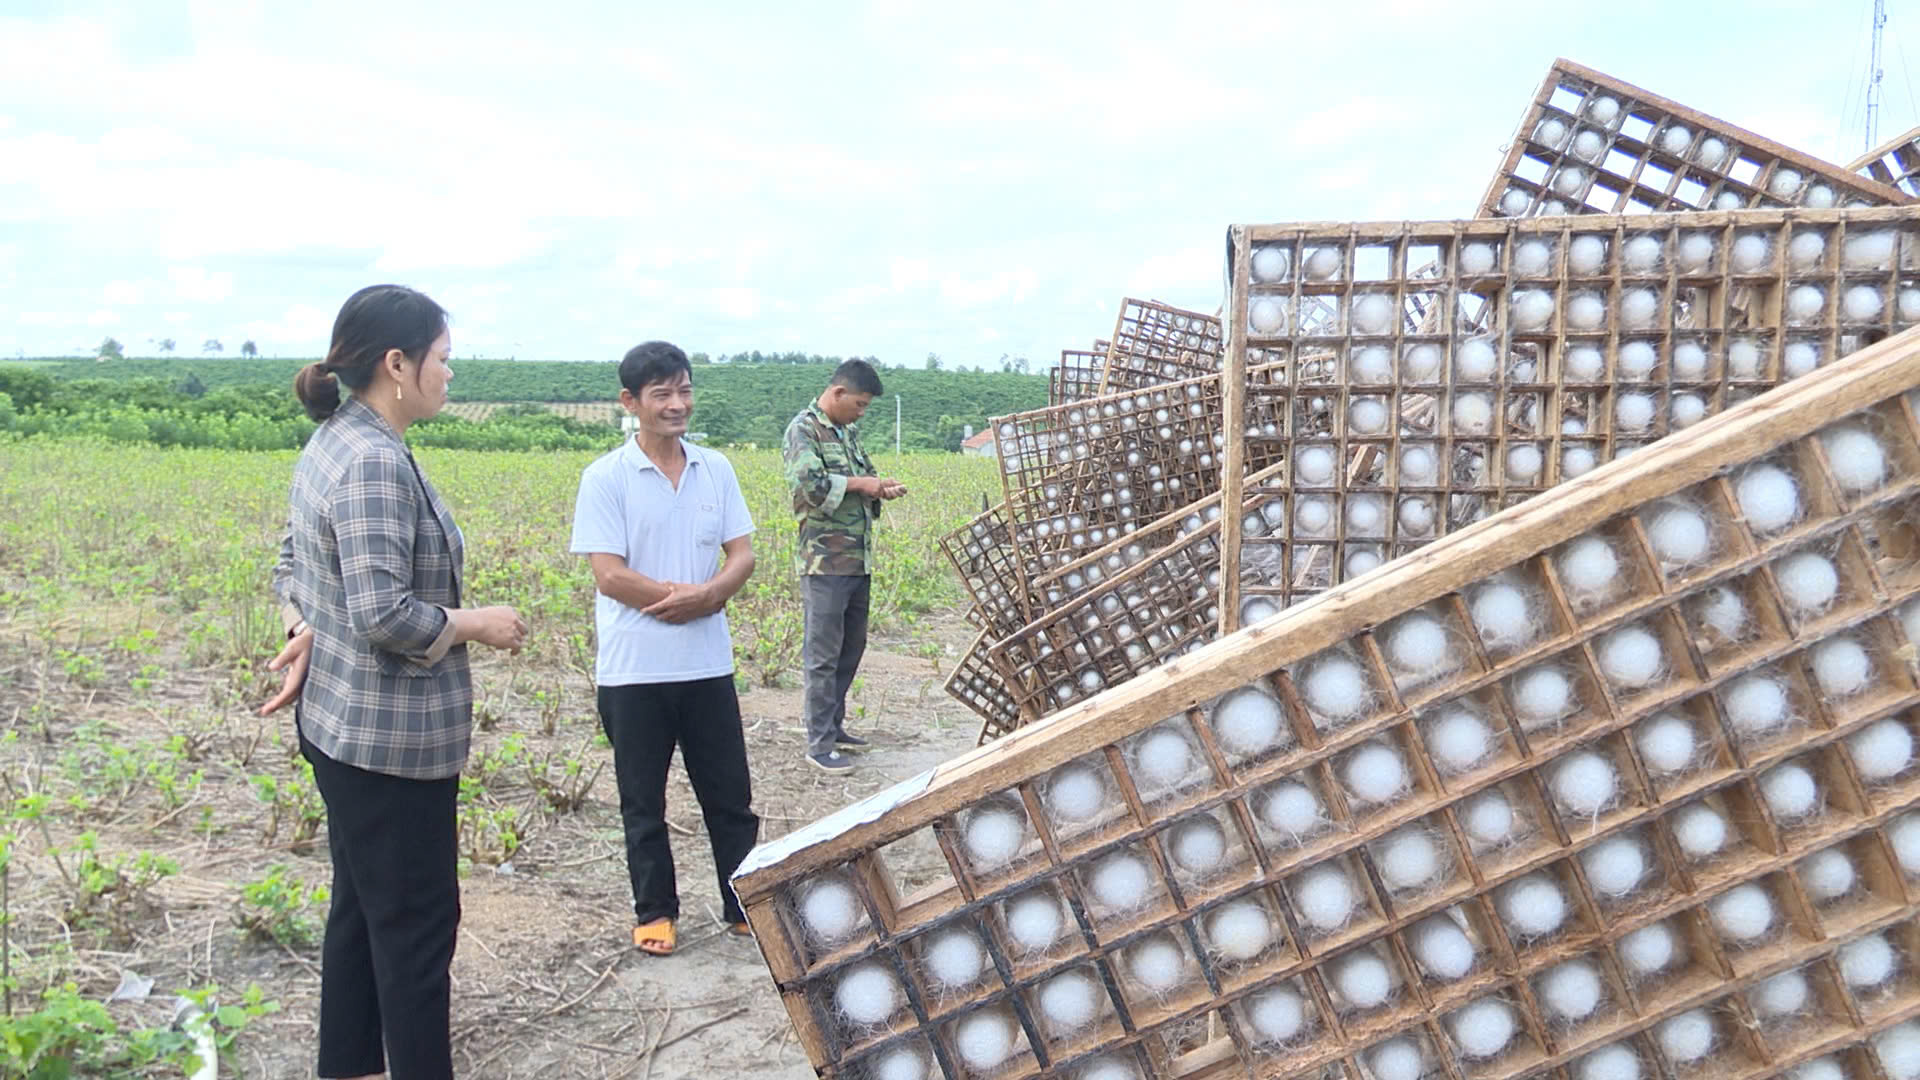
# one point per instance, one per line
(835, 639)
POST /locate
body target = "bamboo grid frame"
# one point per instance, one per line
(1079, 374)
(1200, 1028)
(1895, 163)
(1636, 170)
(1157, 343)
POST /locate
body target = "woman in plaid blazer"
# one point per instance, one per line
(376, 661)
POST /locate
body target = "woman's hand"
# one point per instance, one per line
(293, 661)
(497, 627)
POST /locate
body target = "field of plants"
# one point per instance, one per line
(156, 829)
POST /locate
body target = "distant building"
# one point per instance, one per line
(982, 444)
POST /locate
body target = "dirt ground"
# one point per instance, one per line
(545, 982)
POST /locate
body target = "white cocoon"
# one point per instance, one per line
(1859, 463)
(1689, 360)
(1121, 881)
(1743, 359)
(1198, 845)
(1603, 110)
(1614, 1062)
(1868, 251)
(1675, 140)
(1769, 497)
(1587, 255)
(1790, 791)
(1336, 688)
(1314, 465)
(1398, 1058)
(1542, 695)
(1750, 253)
(1649, 950)
(1744, 914)
(1157, 963)
(1270, 263)
(1524, 463)
(1808, 582)
(1312, 515)
(829, 910)
(1416, 516)
(954, 957)
(1868, 962)
(1416, 465)
(1588, 146)
(1898, 1049)
(1372, 314)
(1164, 757)
(1805, 249)
(1783, 183)
(1828, 875)
(868, 994)
(1639, 307)
(1292, 808)
(1782, 995)
(1267, 315)
(1248, 721)
(1472, 414)
(984, 1039)
(1371, 364)
(1680, 535)
(1586, 312)
(1642, 253)
(1459, 740)
(1824, 1068)
(1363, 979)
(1325, 897)
(1841, 667)
(1515, 202)
(1862, 303)
(1584, 783)
(1756, 704)
(1500, 614)
(1034, 920)
(1420, 362)
(1569, 180)
(1699, 830)
(1474, 360)
(1075, 793)
(1584, 363)
(1417, 645)
(993, 835)
(1571, 991)
(1488, 819)
(1631, 657)
(1666, 744)
(1686, 1038)
(1240, 930)
(900, 1063)
(1408, 858)
(1711, 152)
(1881, 751)
(1638, 359)
(1478, 258)
(1804, 303)
(1323, 263)
(1442, 948)
(1687, 410)
(1798, 358)
(1375, 773)
(1589, 567)
(1533, 906)
(1614, 866)
(1276, 1014)
(1367, 416)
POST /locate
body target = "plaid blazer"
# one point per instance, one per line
(372, 560)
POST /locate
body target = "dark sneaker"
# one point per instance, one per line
(854, 741)
(831, 761)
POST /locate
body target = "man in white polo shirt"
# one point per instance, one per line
(654, 518)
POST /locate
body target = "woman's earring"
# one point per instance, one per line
(399, 394)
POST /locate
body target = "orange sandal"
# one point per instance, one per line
(740, 930)
(654, 938)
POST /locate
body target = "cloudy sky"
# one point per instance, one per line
(890, 177)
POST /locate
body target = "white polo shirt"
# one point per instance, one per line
(627, 507)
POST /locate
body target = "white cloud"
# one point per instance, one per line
(125, 293)
(103, 317)
(1013, 286)
(199, 285)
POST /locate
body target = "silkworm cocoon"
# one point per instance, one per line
(1686, 1038)
(1267, 315)
(1240, 930)
(1828, 875)
(1417, 645)
(1805, 302)
(1569, 180)
(1292, 809)
(1867, 962)
(1867, 251)
(1248, 721)
(1584, 783)
(1858, 462)
(1907, 303)
(1409, 858)
(1862, 303)
(1416, 516)
(993, 834)
(1488, 819)
(1631, 657)
(1441, 948)
(1675, 140)
(1035, 920)
(1312, 515)
(1679, 534)
(1363, 978)
(1784, 182)
(1798, 358)
(1638, 359)
(1586, 311)
(1587, 255)
(1898, 1049)
(1367, 416)
(1372, 314)
(1589, 568)
(1397, 1059)
(1824, 1068)
(1515, 203)
(1841, 667)
(954, 958)
(1337, 689)
(1571, 991)
(1808, 582)
(1805, 249)
(1198, 846)
(1271, 263)
(1687, 410)
(1361, 560)
(984, 1039)
(1533, 906)
(1638, 307)
(1743, 914)
(1750, 252)
(1163, 757)
(1666, 744)
(1524, 463)
(829, 910)
(1711, 152)
(1326, 897)
(1881, 751)
(1791, 792)
(1420, 363)
(1501, 615)
(1314, 465)
(1614, 866)
(1649, 950)
(1641, 254)
(1416, 465)
(1121, 881)
(1699, 831)
(1689, 360)
(900, 1063)
(1757, 704)
(1588, 146)
(1375, 773)
(1818, 197)
(1532, 309)
(1371, 364)
(1459, 740)
(1478, 258)
(1614, 1062)
(1603, 110)
(1541, 696)
(1743, 359)
(1584, 363)
(1769, 497)
(1695, 253)
(1782, 995)
(1157, 963)
(1108, 1068)
(868, 994)
(1075, 793)
(1323, 263)
(1474, 360)
(1277, 1014)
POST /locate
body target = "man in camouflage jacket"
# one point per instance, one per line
(836, 497)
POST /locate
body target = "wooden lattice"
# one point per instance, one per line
(1591, 143)
(1895, 163)
(981, 552)
(1632, 819)
(980, 686)
(1158, 343)
(1079, 375)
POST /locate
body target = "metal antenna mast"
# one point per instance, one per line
(1875, 74)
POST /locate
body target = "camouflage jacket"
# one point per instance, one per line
(836, 528)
